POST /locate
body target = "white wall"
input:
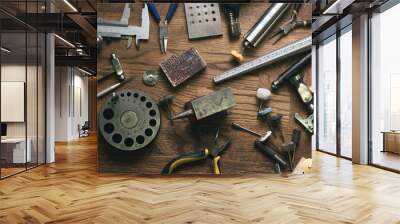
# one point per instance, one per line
(70, 83)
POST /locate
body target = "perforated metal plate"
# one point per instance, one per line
(203, 20)
(130, 120)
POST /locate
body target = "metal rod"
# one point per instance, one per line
(265, 24)
(291, 49)
(238, 126)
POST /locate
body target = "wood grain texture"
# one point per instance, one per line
(241, 157)
(71, 191)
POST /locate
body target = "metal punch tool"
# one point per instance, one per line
(163, 25)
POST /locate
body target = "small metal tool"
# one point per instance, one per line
(262, 138)
(119, 74)
(124, 21)
(307, 123)
(296, 135)
(180, 68)
(162, 25)
(271, 154)
(305, 93)
(206, 106)
(275, 121)
(150, 77)
(203, 20)
(165, 102)
(290, 25)
(112, 88)
(263, 94)
(231, 11)
(291, 49)
(264, 113)
(271, 16)
(119, 30)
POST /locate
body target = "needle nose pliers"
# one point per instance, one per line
(290, 25)
(162, 25)
(215, 153)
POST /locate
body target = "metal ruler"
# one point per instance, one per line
(291, 49)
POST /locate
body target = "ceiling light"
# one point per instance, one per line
(65, 41)
(70, 5)
(84, 71)
(5, 50)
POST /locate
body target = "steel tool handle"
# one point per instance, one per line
(171, 11)
(183, 159)
(154, 12)
(274, 156)
(291, 71)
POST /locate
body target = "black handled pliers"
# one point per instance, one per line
(290, 25)
(215, 153)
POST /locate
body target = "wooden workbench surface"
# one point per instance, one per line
(241, 157)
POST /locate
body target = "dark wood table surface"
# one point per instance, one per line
(241, 157)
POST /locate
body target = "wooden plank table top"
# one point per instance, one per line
(181, 136)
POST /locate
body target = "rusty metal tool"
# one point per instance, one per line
(119, 74)
(206, 106)
(165, 102)
(180, 68)
(231, 11)
(291, 49)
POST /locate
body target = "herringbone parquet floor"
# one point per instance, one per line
(71, 191)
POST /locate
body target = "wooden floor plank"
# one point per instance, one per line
(71, 191)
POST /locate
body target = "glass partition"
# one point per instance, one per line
(385, 89)
(326, 136)
(22, 77)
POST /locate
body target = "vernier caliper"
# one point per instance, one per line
(121, 28)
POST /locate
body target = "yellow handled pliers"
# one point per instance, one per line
(215, 153)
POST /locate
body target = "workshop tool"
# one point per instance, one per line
(165, 102)
(271, 16)
(185, 158)
(264, 113)
(203, 20)
(206, 106)
(290, 148)
(296, 135)
(291, 24)
(262, 138)
(305, 93)
(124, 21)
(112, 88)
(291, 49)
(180, 68)
(275, 121)
(106, 29)
(307, 123)
(291, 71)
(263, 94)
(129, 120)
(118, 73)
(162, 25)
(150, 77)
(271, 154)
(231, 11)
